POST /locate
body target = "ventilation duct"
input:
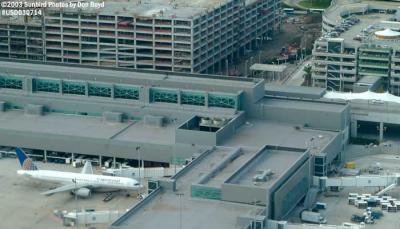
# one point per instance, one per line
(112, 116)
(32, 109)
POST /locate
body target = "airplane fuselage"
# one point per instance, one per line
(89, 180)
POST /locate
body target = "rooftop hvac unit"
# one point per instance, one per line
(205, 121)
(33, 109)
(215, 122)
(263, 176)
(112, 116)
(152, 120)
(219, 122)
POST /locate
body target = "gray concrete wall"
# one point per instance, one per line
(283, 178)
(189, 134)
(96, 146)
(96, 106)
(375, 111)
(196, 137)
(253, 89)
(131, 76)
(327, 120)
(333, 148)
(230, 128)
(253, 95)
(294, 91)
(286, 197)
(244, 194)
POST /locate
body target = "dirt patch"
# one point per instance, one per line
(297, 31)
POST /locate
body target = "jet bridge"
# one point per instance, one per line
(357, 181)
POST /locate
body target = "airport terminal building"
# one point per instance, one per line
(246, 144)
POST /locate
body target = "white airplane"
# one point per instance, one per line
(80, 183)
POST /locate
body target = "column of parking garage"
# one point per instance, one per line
(98, 41)
(135, 41)
(192, 46)
(381, 131)
(117, 64)
(173, 43)
(153, 46)
(354, 129)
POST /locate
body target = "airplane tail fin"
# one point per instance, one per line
(24, 160)
(87, 168)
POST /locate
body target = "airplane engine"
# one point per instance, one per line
(83, 192)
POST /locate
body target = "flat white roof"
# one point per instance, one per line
(368, 95)
(268, 67)
(387, 33)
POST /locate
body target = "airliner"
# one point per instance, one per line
(82, 184)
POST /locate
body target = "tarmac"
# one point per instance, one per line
(22, 206)
(339, 211)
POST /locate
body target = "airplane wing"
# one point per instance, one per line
(87, 169)
(65, 188)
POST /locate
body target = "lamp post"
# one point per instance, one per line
(180, 209)
(76, 204)
(174, 159)
(139, 163)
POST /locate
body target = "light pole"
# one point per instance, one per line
(139, 167)
(174, 159)
(180, 209)
(76, 204)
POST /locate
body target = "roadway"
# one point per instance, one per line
(296, 77)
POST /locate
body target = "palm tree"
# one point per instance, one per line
(307, 75)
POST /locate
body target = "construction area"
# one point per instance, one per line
(288, 47)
